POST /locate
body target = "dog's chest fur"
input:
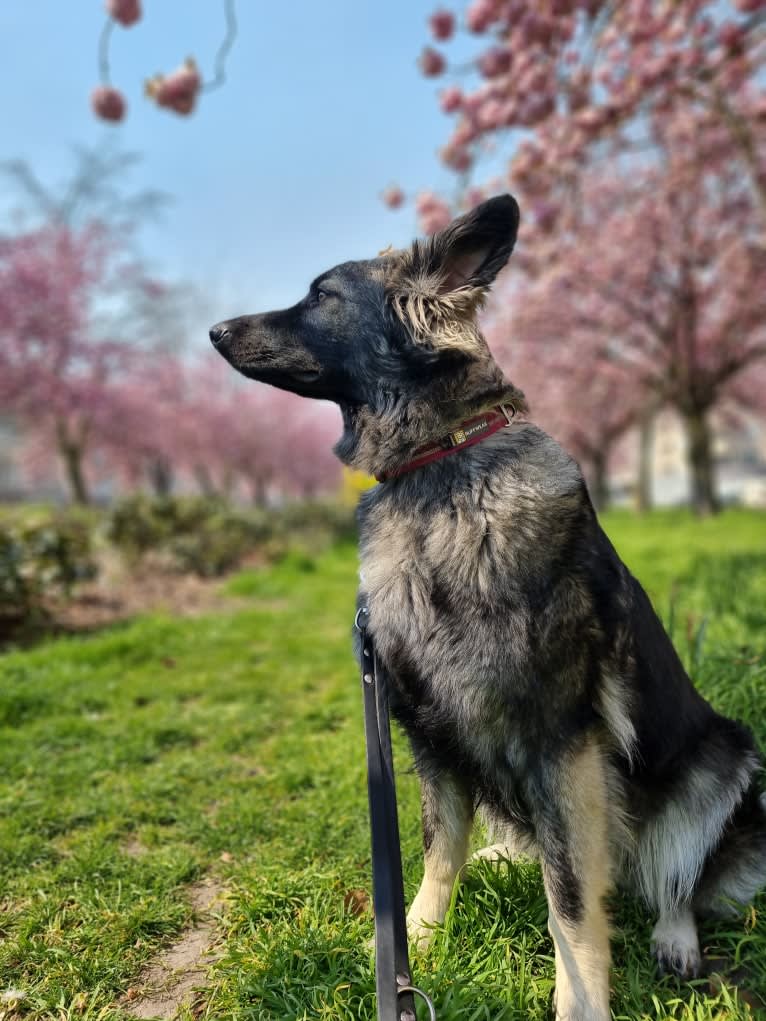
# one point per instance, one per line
(469, 570)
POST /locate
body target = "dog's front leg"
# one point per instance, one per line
(572, 831)
(447, 817)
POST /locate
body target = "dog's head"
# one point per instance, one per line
(383, 326)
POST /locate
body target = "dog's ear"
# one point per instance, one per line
(440, 283)
(472, 250)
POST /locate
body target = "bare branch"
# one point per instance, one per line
(219, 67)
(103, 51)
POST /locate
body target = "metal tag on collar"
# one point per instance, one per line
(509, 415)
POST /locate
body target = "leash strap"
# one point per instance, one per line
(395, 992)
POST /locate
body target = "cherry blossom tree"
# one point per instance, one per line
(75, 303)
(635, 137)
(230, 435)
(567, 80)
(271, 441)
(142, 438)
(662, 281)
(60, 355)
(579, 395)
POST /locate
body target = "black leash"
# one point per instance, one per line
(393, 983)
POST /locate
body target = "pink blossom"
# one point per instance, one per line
(480, 15)
(590, 119)
(474, 197)
(393, 196)
(731, 37)
(456, 157)
(108, 103)
(451, 99)
(177, 91)
(464, 134)
(492, 115)
(495, 61)
(433, 212)
(442, 24)
(126, 12)
(546, 214)
(431, 62)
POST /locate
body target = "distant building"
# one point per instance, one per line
(740, 463)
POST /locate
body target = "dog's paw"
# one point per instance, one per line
(680, 960)
(495, 853)
(676, 949)
(419, 932)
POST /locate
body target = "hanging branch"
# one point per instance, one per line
(177, 91)
(103, 51)
(224, 49)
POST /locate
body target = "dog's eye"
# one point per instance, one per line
(321, 295)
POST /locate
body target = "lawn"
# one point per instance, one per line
(139, 762)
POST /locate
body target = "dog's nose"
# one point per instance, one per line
(219, 333)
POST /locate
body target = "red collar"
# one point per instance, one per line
(473, 430)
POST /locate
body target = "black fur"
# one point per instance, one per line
(528, 668)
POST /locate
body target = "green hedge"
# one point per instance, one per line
(45, 552)
(208, 537)
(40, 557)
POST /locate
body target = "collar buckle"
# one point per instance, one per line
(509, 415)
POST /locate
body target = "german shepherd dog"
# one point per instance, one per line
(526, 664)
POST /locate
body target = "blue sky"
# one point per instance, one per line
(277, 175)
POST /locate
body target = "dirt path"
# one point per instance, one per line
(170, 982)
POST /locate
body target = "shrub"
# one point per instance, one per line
(317, 522)
(202, 536)
(208, 537)
(39, 559)
(219, 542)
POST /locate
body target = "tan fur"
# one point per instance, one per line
(434, 312)
(445, 321)
(443, 861)
(582, 951)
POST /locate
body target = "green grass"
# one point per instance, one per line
(232, 745)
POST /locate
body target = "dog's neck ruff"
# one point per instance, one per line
(471, 431)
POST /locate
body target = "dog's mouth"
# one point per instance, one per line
(306, 375)
(300, 381)
(257, 370)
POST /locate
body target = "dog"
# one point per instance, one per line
(527, 666)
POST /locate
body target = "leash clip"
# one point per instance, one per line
(407, 1015)
(359, 612)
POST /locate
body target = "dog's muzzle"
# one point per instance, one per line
(220, 334)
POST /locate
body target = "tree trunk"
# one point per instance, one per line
(599, 492)
(160, 473)
(259, 489)
(205, 481)
(703, 494)
(227, 484)
(644, 497)
(71, 452)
